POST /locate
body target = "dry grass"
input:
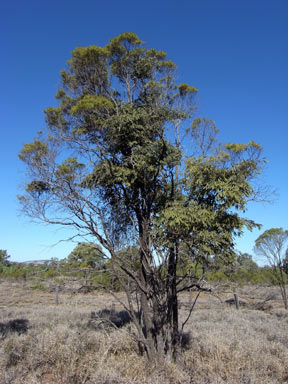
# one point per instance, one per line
(227, 346)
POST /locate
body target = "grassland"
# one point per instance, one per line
(61, 344)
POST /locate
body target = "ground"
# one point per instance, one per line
(63, 345)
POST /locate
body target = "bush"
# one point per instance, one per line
(14, 326)
(109, 318)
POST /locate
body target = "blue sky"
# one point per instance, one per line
(234, 52)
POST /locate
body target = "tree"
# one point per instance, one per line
(246, 262)
(126, 161)
(285, 262)
(87, 255)
(4, 257)
(271, 245)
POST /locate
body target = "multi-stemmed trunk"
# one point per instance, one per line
(159, 309)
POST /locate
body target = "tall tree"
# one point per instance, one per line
(126, 161)
(272, 245)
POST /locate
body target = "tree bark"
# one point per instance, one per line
(147, 316)
(172, 306)
(283, 288)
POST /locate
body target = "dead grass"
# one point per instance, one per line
(226, 346)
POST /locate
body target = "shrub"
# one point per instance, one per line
(109, 318)
(19, 326)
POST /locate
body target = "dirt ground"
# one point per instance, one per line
(21, 294)
(224, 345)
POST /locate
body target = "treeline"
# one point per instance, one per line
(242, 271)
(88, 265)
(59, 271)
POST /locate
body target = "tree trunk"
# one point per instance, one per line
(283, 289)
(147, 321)
(145, 279)
(172, 306)
(159, 304)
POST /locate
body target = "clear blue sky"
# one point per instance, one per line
(233, 51)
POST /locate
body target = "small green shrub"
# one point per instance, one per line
(37, 285)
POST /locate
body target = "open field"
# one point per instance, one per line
(62, 345)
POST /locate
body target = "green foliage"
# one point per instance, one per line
(86, 255)
(49, 273)
(206, 209)
(184, 89)
(272, 237)
(272, 246)
(241, 270)
(37, 148)
(15, 271)
(217, 277)
(4, 257)
(37, 186)
(92, 103)
(38, 286)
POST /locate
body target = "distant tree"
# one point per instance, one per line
(126, 161)
(4, 257)
(271, 245)
(87, 255)
(245, 261)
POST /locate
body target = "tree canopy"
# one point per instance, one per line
(127, 160)
(87, 255)
(4, 257)
(272, 245)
